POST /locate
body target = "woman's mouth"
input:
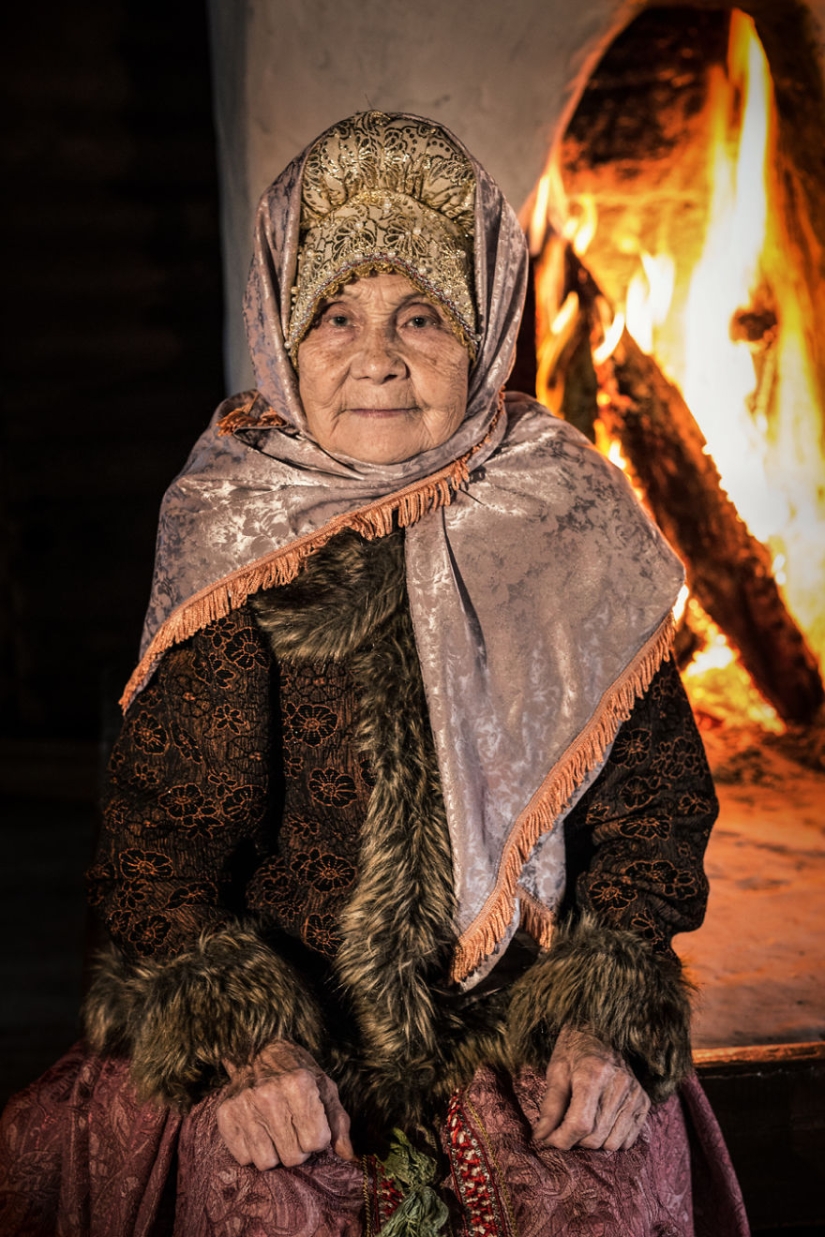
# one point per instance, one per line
(381, 412)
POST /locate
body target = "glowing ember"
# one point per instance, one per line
(729, 331)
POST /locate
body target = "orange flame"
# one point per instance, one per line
(648, 297)
(730, 333)
(753, 420)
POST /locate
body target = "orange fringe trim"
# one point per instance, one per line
(242, 417)
(541, 813)
(537, 920)
(375, 520)
(217, 600)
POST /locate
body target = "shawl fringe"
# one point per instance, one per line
(539, 817)
(377, 519)
(537, 920)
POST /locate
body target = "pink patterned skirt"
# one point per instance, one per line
(81, 1157)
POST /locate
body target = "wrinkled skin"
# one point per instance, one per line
(283, 1108)
(593, 1099)
(381, 374)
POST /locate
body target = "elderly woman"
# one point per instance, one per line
(408, 801)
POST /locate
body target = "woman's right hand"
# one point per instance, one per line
(281, 1109)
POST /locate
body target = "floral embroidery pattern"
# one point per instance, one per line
(315, 722)
(638, 791)
(226, 717)
(632, 746)
(321, 932)
(239, 803)
(182, 801)
(636, 842)
(331, 788)
(325, 803)
(607, 895)
(147, 863)
(186, 773)
(149, 736)
(245, 651)
(323, 870)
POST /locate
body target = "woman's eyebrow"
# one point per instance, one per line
(416, 299)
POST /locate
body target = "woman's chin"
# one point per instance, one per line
(379, 438)
(374, 436)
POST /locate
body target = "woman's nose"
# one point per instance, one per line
(378, 356)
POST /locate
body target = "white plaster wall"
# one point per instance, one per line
(505, 77)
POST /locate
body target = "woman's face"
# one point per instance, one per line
(381, 374)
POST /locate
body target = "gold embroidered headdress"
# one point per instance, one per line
(393, 194)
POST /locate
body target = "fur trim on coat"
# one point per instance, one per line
(180, 1018)
(398, 935)
(611, 983)
(403, 1039)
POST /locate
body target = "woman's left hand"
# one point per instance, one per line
(593, 1099)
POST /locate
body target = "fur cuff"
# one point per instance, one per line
(611, 983)
(180, 1018)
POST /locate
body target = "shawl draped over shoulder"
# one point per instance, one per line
(540, 591)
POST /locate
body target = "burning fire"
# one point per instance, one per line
(729, 332)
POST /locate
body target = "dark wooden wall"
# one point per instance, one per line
(111, 344)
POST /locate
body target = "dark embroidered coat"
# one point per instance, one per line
(275, 861)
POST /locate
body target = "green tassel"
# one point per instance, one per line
(422, 1213)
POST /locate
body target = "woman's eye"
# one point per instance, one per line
(333, 317)
(419, 321)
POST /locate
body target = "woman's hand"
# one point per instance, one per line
(592, 1100)
(281, 1109)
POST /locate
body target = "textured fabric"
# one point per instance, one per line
(307, 883)
(117, 1168)
(333, 684)
(171, 823)
(386, 193)
(539, 593)
(80, 1156)
(189, 786)
(636, 840)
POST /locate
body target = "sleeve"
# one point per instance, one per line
(635, 846)
(191, 808)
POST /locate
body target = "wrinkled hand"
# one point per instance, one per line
(592, 1100)
(281, 1109)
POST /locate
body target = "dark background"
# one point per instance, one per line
(112, 338)
(112, 364)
